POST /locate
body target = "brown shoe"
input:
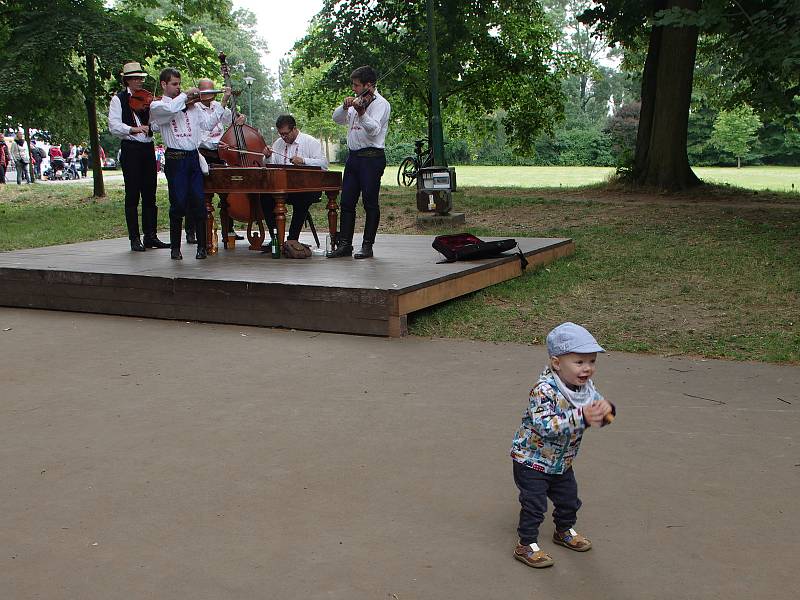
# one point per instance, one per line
(532, 556)
(572, 539)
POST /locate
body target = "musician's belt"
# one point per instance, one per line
(369, 152)
(173, 154)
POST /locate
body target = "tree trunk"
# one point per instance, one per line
(94, 136)
(738, 162)
(661, 159)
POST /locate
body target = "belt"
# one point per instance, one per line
(369, 152)
(136, 143)
(174, 154)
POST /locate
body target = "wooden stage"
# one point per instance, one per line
(372, 296)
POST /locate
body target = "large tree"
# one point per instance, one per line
(758, 41)
(493, 54)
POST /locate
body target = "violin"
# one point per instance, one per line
(362, 100)
(141, 100)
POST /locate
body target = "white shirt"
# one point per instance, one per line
(211, 138)
(304, 146)
(368, 130)
(182, 130)
(118, 128)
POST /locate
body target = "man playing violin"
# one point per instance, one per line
(209, 145)
(181, 123)
(293, 148)
(367, 118)
(137, 158)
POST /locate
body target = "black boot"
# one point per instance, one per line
(365, 252)
(344, 246)
(191, 237)
(152, 241)
(175, 230)
(370, 231)
(136, 245)
(200, 228)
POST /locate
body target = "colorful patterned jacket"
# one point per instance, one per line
(550, 434)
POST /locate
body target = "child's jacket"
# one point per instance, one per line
(550, 434)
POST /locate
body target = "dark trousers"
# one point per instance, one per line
(2, 173)
(300, 202)
(362, 176)
(138, 161)
(185, 183)
(22, 172)
(534, 490)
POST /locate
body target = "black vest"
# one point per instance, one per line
(127, 113)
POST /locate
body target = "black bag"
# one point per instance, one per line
(465, 246)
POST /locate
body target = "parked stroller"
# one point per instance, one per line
(56, 170)
(71, 170)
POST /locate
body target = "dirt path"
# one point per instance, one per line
(172, 460)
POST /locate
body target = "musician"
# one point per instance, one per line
(293, 148)
(209, 145)
(367, 118)
(137, 158)
(182, 123)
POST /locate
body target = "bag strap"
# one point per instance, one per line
(523, 262)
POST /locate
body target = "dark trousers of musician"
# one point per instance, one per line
(212, 158)
(138, 161)
(300, 202)
(186, 194)
(362, 176)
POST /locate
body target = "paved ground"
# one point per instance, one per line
(173, 460)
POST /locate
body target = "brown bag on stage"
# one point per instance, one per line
(294, 249)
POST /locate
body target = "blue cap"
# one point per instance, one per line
(569, 337)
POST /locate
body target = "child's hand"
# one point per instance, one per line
(595, 412)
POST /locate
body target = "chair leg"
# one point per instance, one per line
(313, 229)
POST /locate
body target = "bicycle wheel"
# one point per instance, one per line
(407, 173)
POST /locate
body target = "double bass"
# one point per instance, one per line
(241, 146)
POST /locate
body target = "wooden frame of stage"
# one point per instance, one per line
(238, 286)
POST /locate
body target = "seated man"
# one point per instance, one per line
(293, 148)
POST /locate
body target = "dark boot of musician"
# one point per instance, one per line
(344, 247)
(175, 231)
(191, 237)
(152, 241)
(200, 228)
(136, 244)
(370, 231)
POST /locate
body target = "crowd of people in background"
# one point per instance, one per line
(40, 160)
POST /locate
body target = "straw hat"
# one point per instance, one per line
(133, 69)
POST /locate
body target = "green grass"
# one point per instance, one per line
(715, 281)
(779, 179)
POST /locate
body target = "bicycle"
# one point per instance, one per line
(409, 167)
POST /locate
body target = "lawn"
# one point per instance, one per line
(714, 274)
(779, 179)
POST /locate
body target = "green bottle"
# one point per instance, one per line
(276, 249)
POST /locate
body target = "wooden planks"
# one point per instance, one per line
(371, 297)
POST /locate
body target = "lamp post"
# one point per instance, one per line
(249, 81)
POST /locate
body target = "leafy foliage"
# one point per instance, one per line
(492, 54)
(735, 130)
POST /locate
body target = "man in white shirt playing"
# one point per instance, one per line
(293, 148)
(367, 118)
(137, 158)
(181, 123)
(209, 147)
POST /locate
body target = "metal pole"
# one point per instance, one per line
(437, 136)
(249, 81)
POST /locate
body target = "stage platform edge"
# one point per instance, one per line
(366, 297)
